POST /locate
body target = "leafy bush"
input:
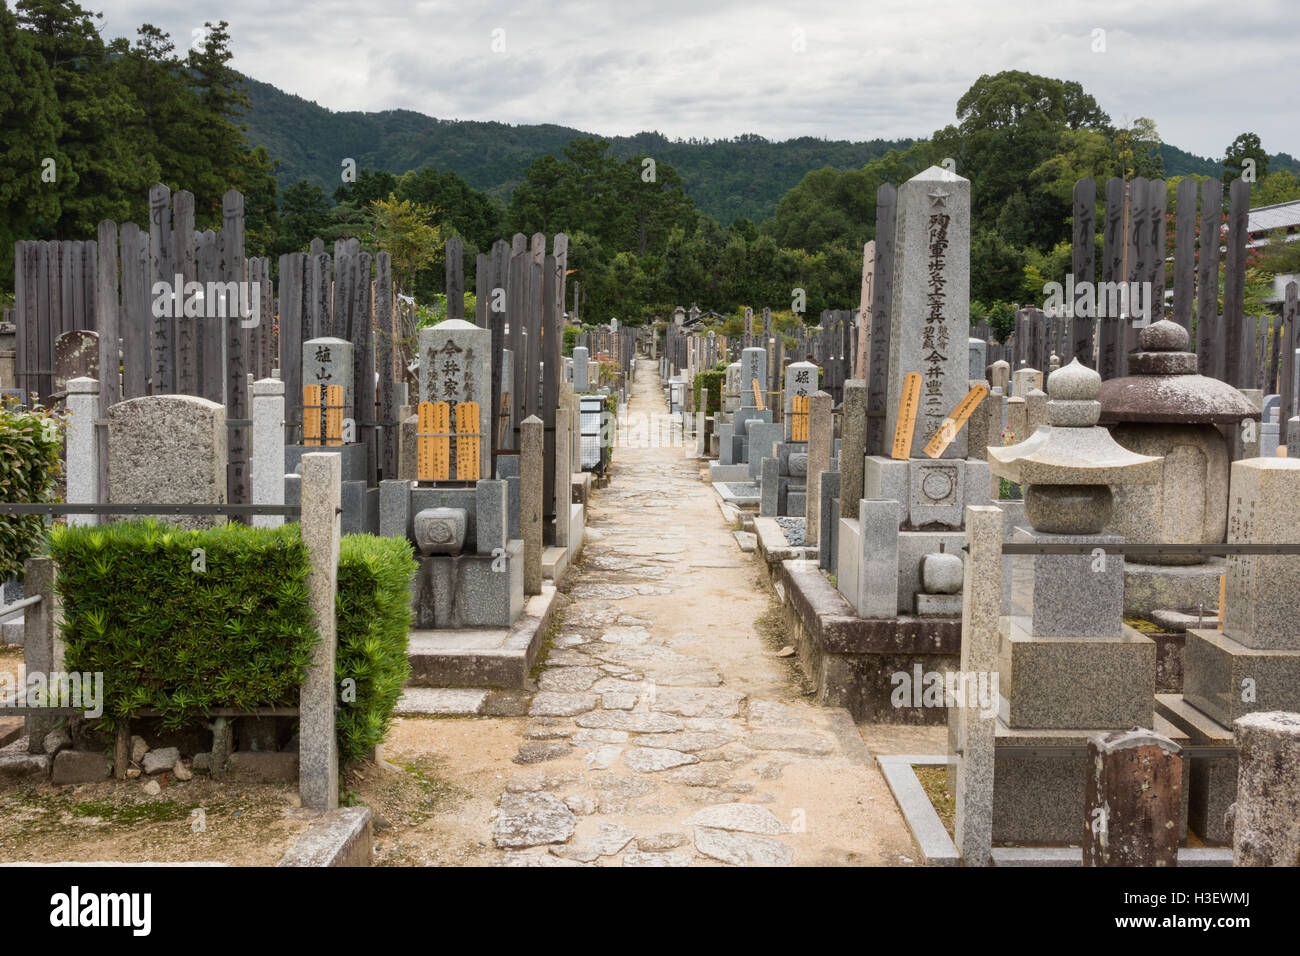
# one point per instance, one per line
(374, 617)
(30, 467)
(239, 632)
(714, 381)
(570, 333)
(184, 621)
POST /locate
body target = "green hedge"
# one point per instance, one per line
(714, 381)
(238, 633)
(167, 635)
(30, 466)
(374, 617)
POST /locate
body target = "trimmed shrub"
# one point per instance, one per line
(239, 632)
(184, 621)
(714, 381)
(30, 467)
(374, 618)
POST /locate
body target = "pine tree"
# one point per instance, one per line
(108, 175)
(29, 153)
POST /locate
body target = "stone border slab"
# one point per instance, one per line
(937, 848)
(341, 837)
(831, 621)
(774, 547)
(555, 563)
(1073, 856)
(728, 473)
(746, 502)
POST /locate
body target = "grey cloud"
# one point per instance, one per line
(1205, 71)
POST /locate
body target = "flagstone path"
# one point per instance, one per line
(665, 730)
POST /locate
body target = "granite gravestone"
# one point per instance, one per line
(581, 370)
(753, 366)
(1027, 380)
(328, 361)
(168, 449)
(76, 355)
(978, 350)
(931, 308)
(456, 366)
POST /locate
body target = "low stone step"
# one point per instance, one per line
(441, 701)
(555, 562)
(481, 657)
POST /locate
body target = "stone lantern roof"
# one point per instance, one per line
(1071, 449)
(1165, 388)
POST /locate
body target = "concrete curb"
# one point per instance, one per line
(341, 837)
(937, 848)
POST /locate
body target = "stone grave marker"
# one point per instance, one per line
(76, 355)
(168, 449)
(455, 366)
(325, 362)
(931, 308)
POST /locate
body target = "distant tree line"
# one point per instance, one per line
(89, 124)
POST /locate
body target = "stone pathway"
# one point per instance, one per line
(665, 730)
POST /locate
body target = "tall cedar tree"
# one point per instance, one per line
(29, 115)
(108, 175)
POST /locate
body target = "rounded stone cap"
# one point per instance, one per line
(1164, 336)
(1182, 399)
(1073, 383)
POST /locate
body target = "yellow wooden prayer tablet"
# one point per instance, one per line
(799, 418)
(433, 443)
(334, 415)
(467, 447)
(907, 407)
(953, 423)
(311, 415)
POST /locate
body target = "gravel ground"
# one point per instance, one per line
(794, 530)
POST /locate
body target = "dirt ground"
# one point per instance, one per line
(668, 631)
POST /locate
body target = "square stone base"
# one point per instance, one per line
(1151, 587)
(1076, 595)
(354, 459)
(934, 494)
(470, 590)
(1227, 680)
(1039, 796)
(1059, 683)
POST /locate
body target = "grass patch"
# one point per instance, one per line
(934, 781)
(115, 813)
(1143, 627)
(407, 799)
(548, 644)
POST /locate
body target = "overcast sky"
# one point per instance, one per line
(1204, 71)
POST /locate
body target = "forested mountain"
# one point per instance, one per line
(728, 179)
(89, 121)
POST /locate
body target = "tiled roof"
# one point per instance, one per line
(1283, 215)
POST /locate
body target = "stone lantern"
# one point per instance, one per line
(1069, 465)
(1165, 408)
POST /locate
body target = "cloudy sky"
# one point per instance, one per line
(1204, 71)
